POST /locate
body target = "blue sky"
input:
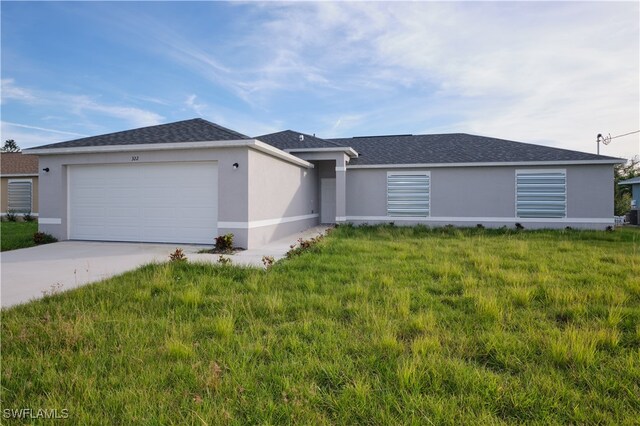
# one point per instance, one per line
(548, 72)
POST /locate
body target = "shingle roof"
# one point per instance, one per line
(632, 181)
(16, 163)
(194, 130)
(396, 149)
(453, 148)
(289, 139)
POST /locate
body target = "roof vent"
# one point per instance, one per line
(301, 137)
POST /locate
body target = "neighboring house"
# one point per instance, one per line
(189, 181)
(18, 183)
(635, 198)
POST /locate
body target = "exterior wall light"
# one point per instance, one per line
(235, 166)
(46, 170)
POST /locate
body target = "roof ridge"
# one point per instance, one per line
(303, 134)
(189, 130)
(217, 126)
(316, 137)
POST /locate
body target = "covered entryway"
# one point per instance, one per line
(148, 202)
(327, 200)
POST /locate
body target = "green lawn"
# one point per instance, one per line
(15, 235)
(374, 325)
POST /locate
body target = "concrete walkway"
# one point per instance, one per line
(27, 273)
(253, 257)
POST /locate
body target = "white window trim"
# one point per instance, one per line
(533, 171)
(407, 172)
(9, 181)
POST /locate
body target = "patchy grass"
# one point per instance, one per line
(375, 325)
(16, 235)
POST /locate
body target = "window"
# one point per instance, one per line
(408, 194)
(19, 195)
(541, 194)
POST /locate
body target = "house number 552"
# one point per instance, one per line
(134, 158)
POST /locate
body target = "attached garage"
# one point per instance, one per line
(173, 202)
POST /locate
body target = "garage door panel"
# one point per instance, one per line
(117, 215)
(154, 202)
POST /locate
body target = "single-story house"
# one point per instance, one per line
(635, 198)
(189, 181)
(18, 183)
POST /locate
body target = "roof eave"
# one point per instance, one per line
(346, 149)
(486, 164)
(629, 182)
(9, 175)
(250, 143)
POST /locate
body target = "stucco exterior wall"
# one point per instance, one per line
(466, 196)
(635, 194)
(4, 181)
(232, 184)
(282, 198)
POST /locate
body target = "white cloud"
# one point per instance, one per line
(136, 116)
(78, 104)
(198, 108)
(13, 92)
(27, 137)
(43, 129)
(557, 73)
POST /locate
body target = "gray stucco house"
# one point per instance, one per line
(634, 214)
(189, 181)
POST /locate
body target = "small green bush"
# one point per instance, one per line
(43, 238)
(224, 243)
(28, 217)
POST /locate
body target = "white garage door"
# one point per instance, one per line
(152, 202)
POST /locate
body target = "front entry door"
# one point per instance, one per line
(328, 200)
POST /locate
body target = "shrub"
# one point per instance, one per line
(268, 261)
(480, 226)
(303, 245)
(224, 260)
(28, 217)
(224, 243)
(519, 226)
(11, 215)
(43, 238)
(177, 256)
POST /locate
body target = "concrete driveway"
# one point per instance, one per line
(26, 273)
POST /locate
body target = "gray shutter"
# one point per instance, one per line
(19, 196)
(541, 194)
(408, 195)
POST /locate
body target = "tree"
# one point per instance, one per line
(10, 146)
(622, 197)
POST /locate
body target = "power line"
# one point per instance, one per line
(607, 139)
(626, 134)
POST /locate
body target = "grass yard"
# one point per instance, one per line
(374, 325)
(16, 235)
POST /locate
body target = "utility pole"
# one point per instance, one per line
(607, 139)
(604, 139)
